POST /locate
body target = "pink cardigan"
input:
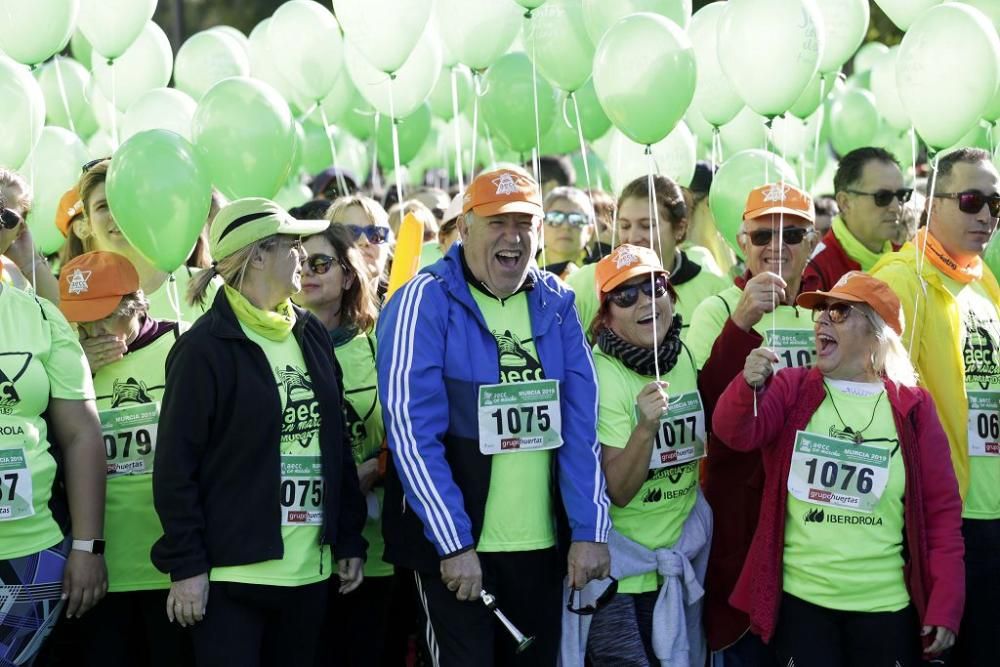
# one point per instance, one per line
(935, 571)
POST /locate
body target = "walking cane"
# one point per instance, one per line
(491, 604)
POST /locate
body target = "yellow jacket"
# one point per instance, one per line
(936, 347)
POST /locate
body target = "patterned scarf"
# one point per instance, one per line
(640, 359)
(944, 262)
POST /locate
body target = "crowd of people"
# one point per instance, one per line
(585, 432)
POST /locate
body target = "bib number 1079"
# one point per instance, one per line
(519, 419)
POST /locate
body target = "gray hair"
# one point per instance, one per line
(890, 358)
(232, 268)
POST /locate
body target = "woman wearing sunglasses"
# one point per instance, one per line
(21, 265)
(860, 525)
(334, 289)
(569, 226)
(651, 426)
(369, 225)
(254, 481)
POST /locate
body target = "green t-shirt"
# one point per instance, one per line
(689, 295)
(656, 514)
(40, 358)
(367, 432)
(980, 350)
(430, 252)
(841, 558)
(305, 561)
(792, 327)
(128, 399)
(519, 503)
(160, 302)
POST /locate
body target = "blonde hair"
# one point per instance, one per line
(372, 209)
(232, 268)
(11, 179)
(420, 211)
(890, 358)
(75, 245)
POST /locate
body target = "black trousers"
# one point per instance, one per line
(356, 632)
(978, 640)
(250, 625)
(808, 635)
(528, 589)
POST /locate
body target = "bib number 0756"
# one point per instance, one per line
(519, 419)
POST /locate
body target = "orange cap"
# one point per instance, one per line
(70, 206)
(502, 191)
(861, 288)
(779, 198)
(92, 285)
(624, 263)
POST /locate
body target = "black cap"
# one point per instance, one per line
(702, 180)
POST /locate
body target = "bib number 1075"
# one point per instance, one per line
(518, 419)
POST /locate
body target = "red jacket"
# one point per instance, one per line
(935, 571)
(828, 263)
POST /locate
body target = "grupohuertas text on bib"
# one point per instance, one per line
(827, 471)
(519, 417)
(17, 436)
(681, 436)
(130, 438)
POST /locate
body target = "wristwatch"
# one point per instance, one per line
(95, 547)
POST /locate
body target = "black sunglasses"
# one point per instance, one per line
(837, 311)
(591, 609)
(972, 201)
(559, 218)
(320, 264)
(884, 197)
(626, 295)
(9, 219)
(790, 235)
(375, 233)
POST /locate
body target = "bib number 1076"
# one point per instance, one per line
(519, 419)
(829, 474)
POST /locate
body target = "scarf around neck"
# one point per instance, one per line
(272, 325)
(944, 262)
(641, 359)
(854, 248)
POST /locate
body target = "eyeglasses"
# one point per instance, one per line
(837, 311)
(9, 219)
(790, 235)
(591, 609)
(375, 233)
(626, 295)
(972, 201)
(559, 218)
(320, 264)
(93, 163)
(884, 197)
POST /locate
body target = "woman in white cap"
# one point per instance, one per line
(254, 481)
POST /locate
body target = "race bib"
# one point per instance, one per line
(130, 438)
(302, 490)
(15, 485)
(827, 471)
(984, 423)
(519, 417)
(681, 436)
(795, 348)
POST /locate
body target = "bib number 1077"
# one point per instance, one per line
(520, 419)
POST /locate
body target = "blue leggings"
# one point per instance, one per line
(30, 602)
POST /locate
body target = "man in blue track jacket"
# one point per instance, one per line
(490, 405)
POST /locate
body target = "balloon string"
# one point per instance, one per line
(341, 183)
(819, 129)
(715, 152)
(376, 179)
(457, 134)
(586, 165)
(477, 82)
(489, 144)
(395, 145)
(781, 233)
(173, 297)
(922, 251)
(114, 106)
(62, 94)
(535, 163)
(654, 218)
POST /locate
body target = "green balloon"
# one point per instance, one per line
(316, 154)
(412, 132)
(557, 39)
(992, 255)
(745, 132)
(206, 58)
(933, 71)
(440, 98)
(160, 195)
(599, 176)
(144, 66)
(386, 31)
(714, 96)
(160, 109)
(262, 62)
(898, 143)
(53, 168)
(868, 55)
(342, 99)
(600, 15)
(307, 47)
(410, 86)
(112, 25)
(293, 194)
(886, 91)
(34, 30)
(989, 7)
(67, 105)
(245, 136)
(592, 117)
(478, 31)
(507, 105)
(359, 120)
(22, 113)
(645, 102)
(844, 25)
(819, 88)
(854, 121)
(904, 12)
(737, 176)
(531, 4)
(352, 154)
(81, 49)
(561, 138)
